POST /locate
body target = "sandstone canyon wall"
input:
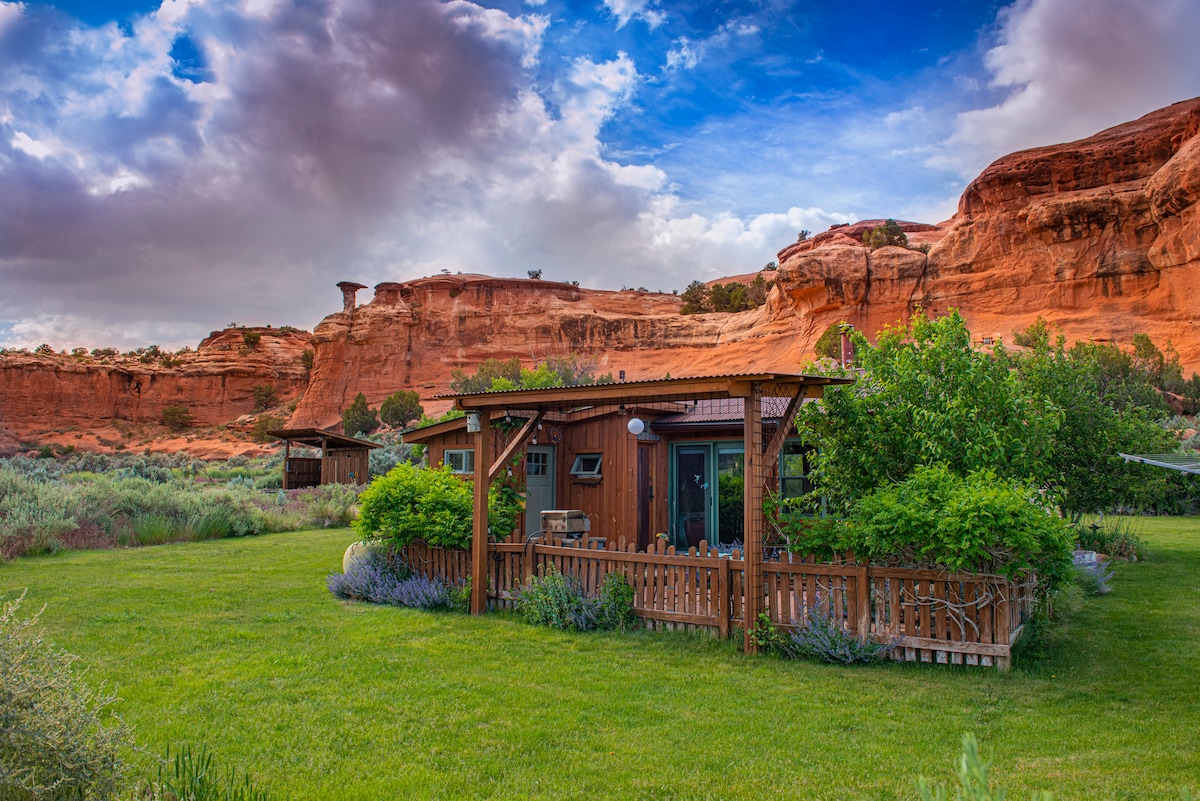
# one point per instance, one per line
(95, 404)
(1100, 236)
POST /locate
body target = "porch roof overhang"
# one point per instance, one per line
(737, 385)
(316, 438)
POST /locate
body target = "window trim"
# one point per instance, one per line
(577, 466)
(468, 455)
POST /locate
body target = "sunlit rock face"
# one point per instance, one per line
(1100, 236)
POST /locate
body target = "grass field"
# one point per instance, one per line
(237, 644)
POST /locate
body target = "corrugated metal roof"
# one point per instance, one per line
(723, 410)
(661, 381)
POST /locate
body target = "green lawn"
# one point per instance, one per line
(237, 643)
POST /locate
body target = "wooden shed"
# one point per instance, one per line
(343, 460)
(610, 451)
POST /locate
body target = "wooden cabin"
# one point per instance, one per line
(681, 476)
(343, 460)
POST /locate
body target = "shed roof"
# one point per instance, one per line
(318, 438)
(723, 410)
(730, 385)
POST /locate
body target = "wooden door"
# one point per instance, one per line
(645, 495)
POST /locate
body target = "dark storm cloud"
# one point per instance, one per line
(125, 189)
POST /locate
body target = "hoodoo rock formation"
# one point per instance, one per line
(1099, 236)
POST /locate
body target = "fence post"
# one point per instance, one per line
(723, 597)
(862, 592)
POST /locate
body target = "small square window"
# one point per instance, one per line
(537, 463)
(460, 461)
(587, 465)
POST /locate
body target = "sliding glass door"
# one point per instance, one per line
(707, 484)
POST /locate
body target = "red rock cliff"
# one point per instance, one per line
(92, 402)
(1101, 236)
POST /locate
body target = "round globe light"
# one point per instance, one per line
(635, 426)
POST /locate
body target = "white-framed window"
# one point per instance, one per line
(587, 465)
(460, 460)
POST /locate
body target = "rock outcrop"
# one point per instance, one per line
(1100, 236)
(102, 403)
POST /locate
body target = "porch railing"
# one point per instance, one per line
(927, 615)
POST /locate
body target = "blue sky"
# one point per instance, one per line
(167, 168)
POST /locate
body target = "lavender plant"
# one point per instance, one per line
(376, 581)
(1094, 578)
(557, 601)
(822, 637)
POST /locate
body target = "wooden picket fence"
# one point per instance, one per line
(926, 615)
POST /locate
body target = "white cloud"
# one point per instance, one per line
(1070, 68)
(626, 10)
(682, 56)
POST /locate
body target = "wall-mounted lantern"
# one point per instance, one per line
(473, 426)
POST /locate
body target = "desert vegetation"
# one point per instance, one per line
(733, 296)
(96, 501)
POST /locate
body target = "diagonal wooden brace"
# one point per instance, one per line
(517, 443)
(783, 430)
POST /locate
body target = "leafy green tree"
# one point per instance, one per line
(926, 397)
(829, 344)
(890, 233)
(1105, 408)
(556, 371)
(359, 418)
(695, 298)
(399, 408)
(251, 338)
(487, 373)
(756, 293)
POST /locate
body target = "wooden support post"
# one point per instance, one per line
(752, 440)
(287, 457)
(479, 524)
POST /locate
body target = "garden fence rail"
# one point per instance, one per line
(925, 615)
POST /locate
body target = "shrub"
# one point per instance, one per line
(251, 338)
(359, 418)
(1093, 579)
(412, 503)
(980, 523)
(824, 639)
(374, 580)
(616, 603)
(890, 233)
(265, 423)
(554, 600)
(1112, 536)
(400, 408)
(57, 739)
(306, 360)
(265, 397)
(176, 418)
